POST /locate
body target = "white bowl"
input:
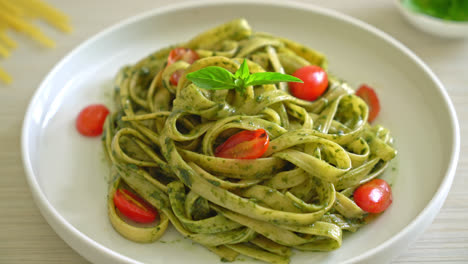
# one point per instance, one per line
(433, 25)
(67, 175)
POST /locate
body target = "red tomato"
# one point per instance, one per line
(91, 119)
(244, 145)
(185, 54)
(134, 207)
(315, 83)
(177, 54)
(374, 196)
(175, 77)
(370, 97)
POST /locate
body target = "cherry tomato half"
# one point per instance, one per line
(134, 207)
(370, 97)
(374, 196)
(185, 54)
(175, 77)
(315, 83)
(244, 145)
(91, 119)
(177, 54)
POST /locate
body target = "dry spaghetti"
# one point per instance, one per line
(18, 16)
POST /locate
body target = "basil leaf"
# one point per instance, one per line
(243, 71)
(260, 78)
(212, 78)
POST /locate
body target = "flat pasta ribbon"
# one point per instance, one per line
(298, 195)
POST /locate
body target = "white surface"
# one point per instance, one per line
(433, 25)
(62, 166)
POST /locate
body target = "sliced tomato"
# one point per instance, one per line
(91, 119)
(244, 145)
(374, 196)
(134, 207)
(175, 77)
(185, 54)
(370, 97)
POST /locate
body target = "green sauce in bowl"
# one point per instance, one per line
(455, 10)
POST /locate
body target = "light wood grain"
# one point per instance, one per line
(25, 237)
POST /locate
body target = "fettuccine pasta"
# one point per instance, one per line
(161, 139)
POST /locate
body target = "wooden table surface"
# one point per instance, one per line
(25, 237)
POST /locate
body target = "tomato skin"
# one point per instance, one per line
(244, 145)
(315, 83)
(370, 97)
(374, 196)
(91, 119)
(175, 77)
(142, 213)
(185, 54)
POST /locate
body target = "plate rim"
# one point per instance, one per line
(52, 215)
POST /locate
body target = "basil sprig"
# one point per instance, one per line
(218, 78)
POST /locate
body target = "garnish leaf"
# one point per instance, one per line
(218, 78)
(243, 71)
(260, 78)
(212, 78)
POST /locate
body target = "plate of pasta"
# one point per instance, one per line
(214, 132)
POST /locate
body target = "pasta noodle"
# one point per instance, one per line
(161, 138)
(16, 14)
(5, 76)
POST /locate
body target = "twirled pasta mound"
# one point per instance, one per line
(160, 143)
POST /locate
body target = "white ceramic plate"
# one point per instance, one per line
(67, 174)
